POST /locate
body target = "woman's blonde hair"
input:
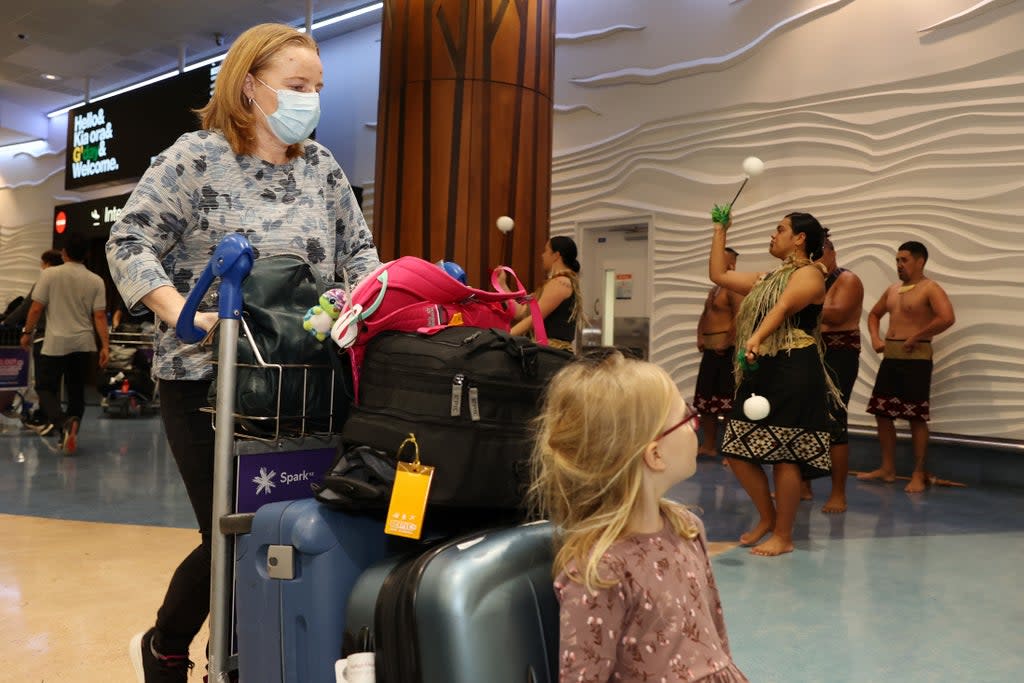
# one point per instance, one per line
(229, 109)
(598, 417)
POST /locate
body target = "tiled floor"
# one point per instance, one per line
(908, 588)
(900, 588)
(72, 594)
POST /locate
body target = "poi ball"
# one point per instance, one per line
(505, 224)
(753, 166)
(756, 407)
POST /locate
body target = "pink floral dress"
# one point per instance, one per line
(661, 622)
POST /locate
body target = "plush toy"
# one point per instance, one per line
(319, 319)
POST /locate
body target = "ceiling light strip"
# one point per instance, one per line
(352, 14)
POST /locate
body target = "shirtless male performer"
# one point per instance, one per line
(716, 336)
(840, 330)
(918, 309)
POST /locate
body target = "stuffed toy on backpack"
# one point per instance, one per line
(320, 318)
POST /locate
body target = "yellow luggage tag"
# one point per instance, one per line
(409, 494)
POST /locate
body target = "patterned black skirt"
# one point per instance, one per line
(799, 427)
(715, 387)
(903, 386)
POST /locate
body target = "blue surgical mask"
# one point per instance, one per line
(296, 116)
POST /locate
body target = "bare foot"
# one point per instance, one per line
(772, 547)
(836, 503)
(757, 533)
(885, 475)
(918, 482)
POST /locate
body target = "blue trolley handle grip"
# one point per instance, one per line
(231, 261)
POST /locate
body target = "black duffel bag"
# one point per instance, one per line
(299, 398)
(469, 395)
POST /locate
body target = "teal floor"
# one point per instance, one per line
(907, 588)
(900, 588)
(918, 608)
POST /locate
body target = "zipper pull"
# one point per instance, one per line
(456, 403)
(474, 404)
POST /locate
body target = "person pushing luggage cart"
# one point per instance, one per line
(253, 170)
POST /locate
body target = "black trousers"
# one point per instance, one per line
(73, 368)
(190, 435)
(37, 353)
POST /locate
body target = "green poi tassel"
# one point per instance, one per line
(741, 358)
(720, 213)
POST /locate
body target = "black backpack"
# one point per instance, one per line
(469, 395)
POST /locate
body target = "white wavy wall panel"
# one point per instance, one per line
(28, 185)
(969, 13)
(939, 159)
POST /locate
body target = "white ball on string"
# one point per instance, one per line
(505, 224)
(756, 407)
(753, 166)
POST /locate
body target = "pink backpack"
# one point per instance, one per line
(413, 295)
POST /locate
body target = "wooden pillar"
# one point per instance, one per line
(464, 132)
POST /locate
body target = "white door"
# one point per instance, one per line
(622, 248)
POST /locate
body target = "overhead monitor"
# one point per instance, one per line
(114, 139)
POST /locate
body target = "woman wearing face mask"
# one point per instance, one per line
(250, 170)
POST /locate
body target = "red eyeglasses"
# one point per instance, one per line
(691, 416)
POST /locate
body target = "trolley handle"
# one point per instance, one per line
(231, 261)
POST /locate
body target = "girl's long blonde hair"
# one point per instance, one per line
(599, 415)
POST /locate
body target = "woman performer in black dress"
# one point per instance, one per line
(779, 357)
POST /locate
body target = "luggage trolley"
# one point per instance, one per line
(125, 386)
(250, 457)
(15, 374)
(303, 566)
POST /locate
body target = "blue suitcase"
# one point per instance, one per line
(293, 575)
(477, 609)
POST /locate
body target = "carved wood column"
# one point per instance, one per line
(464, 132)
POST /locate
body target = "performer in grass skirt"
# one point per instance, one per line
(779, 357)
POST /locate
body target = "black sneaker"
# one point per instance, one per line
(151, 667)
(69, 442)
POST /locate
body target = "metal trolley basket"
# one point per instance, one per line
(237, 453)
(296, 421)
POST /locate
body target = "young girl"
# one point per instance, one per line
(638, 599)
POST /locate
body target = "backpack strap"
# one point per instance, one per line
(539, 333)
(382, 278)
